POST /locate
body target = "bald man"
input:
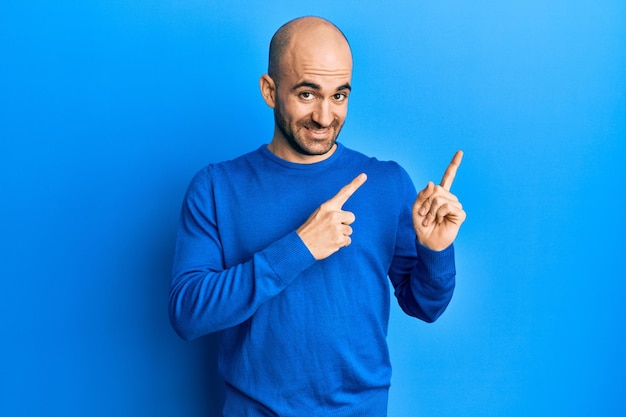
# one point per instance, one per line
(287, 250)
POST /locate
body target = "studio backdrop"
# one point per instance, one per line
(108, 108)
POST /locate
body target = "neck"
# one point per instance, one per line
(289, 154)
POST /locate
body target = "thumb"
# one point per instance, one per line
(419, 206)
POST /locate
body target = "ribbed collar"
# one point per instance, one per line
(316, 166)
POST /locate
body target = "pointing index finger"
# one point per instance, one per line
(347, 190)
(448, 176)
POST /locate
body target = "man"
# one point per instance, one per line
(286, 250)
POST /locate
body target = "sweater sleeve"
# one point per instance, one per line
(205, 296)
(423, 279)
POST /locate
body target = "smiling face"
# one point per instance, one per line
(309, 93)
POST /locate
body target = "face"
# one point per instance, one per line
(310, 115)
(311, 99)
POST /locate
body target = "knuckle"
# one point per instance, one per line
(325, 206)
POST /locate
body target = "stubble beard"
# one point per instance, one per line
(301, 144)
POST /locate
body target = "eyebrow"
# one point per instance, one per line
(317, 87)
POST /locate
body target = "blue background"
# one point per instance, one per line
(107, 108)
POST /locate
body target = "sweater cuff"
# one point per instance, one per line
(438, 263)
(288, 257)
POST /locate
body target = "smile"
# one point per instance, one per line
(319, 132)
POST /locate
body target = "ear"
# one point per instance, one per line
(268, 90)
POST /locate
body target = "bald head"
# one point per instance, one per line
(307, 85)
(303, 32)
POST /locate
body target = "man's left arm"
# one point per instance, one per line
(424, 284)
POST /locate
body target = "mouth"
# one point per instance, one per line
(319, 133)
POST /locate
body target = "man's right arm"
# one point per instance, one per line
(205, 296)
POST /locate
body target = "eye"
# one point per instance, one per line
(306, 95)
(340, 97)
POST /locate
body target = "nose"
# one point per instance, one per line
(322, 114)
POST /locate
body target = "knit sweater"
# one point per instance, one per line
(300, 337)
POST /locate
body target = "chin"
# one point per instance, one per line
(319, 147)
(316, 146)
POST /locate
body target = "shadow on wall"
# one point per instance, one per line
(195, 388)
(206, 386)
(163, 374)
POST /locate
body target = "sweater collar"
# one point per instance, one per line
(303, 167)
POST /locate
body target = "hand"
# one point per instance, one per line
(437, 213)
(328, 229)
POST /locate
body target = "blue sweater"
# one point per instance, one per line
(301, 337)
